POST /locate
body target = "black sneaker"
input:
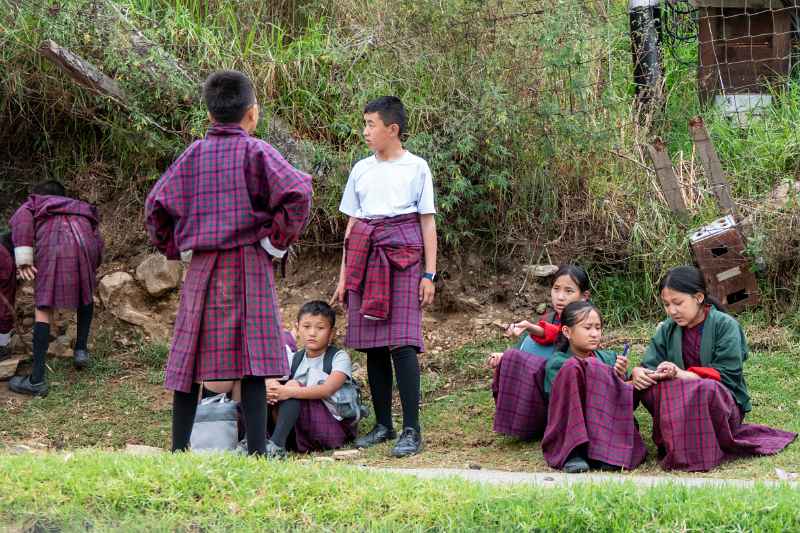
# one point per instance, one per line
(409, 443)
(23, 385)
(80, 358)
(273, 451)
(378, 434)
(576, 465)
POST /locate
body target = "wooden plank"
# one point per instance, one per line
(712, 166)
(81, 70)
(666, 177)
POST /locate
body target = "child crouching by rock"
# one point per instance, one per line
(318, 405)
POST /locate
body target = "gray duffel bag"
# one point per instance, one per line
(215, 425)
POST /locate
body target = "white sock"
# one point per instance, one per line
(5, 338)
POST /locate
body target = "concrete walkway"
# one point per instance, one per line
(559, 479)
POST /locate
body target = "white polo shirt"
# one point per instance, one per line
(379, 188)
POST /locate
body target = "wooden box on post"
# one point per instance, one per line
(719, 252)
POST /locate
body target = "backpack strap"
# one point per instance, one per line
(297, 358)
(327, 361)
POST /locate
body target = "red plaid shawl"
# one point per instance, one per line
(68, 248)
(374, 249)
(8, 290)
(589, 405)
(697, 425)
(518, 389)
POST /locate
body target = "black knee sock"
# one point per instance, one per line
(406, 368)
(254, 402)
(379, 374)
(41, 341)
(184, 407)
(85, 314)
(288, 413)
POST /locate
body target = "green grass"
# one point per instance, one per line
(103, 491)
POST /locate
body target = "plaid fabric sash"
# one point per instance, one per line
(374, 248)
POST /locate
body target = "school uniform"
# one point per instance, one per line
(319, 425)
(60, 236)
(384, 251)
(228, 198)
(518, 384)
(697, 424)
(590, 406)
(8, 291)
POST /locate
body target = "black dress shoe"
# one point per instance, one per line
(23, 385)
(576, 465)
(604, 467)
(409, 443)
(80, 358)
(378, 434)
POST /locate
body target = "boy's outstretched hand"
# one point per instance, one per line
(427, 290)
(27, 272)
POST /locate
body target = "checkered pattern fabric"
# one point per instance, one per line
(590, 405)
(697, 425)
(228, 324)
(68, 248)
(8, 290)
(374, 249)
(316, 429)
(400, 236)
(690, 345)
(225, 191)
(518, 389)
(219, 199)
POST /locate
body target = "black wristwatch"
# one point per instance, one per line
(431, 276)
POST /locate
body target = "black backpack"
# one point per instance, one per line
(327, 367)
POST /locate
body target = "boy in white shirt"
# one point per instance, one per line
(389, 198)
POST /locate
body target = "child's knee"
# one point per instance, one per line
(219, 387)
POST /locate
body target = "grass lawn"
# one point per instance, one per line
(99, 491)
(120, 400)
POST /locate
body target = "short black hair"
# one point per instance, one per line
(574, 314)
(390, 109)
(317, 308)
(49, 188)
(5, 240)
(228, 95)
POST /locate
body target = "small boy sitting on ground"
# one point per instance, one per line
(58, 244)
(8, 292)
(315, 402)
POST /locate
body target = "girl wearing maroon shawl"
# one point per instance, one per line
(57, 243)
(233, 201)
(520, 402)
(590, 422)
(692, 382)
(8, 291)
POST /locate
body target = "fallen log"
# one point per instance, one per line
(81, 70)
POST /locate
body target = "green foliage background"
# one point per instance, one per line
(524, 110)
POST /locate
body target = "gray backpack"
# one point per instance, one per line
(347, 399)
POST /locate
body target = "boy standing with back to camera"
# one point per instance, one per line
(391, 230)
(232, 200)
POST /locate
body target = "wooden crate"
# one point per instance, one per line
(743, 50)
(719, 252)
